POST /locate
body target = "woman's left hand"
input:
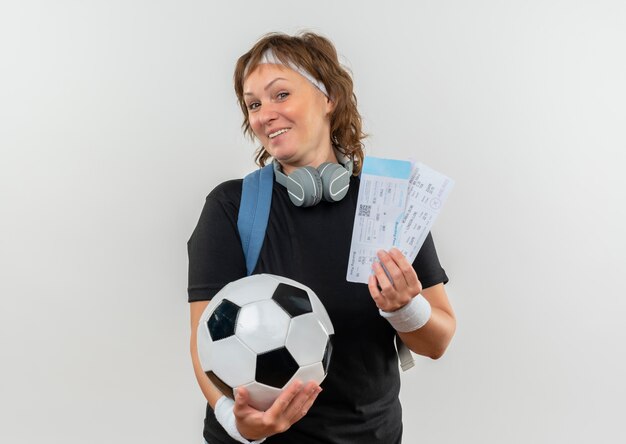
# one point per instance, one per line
(393, 294)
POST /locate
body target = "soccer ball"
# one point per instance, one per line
(261, 332)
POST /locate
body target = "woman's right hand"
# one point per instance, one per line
(291, 406)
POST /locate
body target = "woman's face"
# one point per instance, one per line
(289, 115)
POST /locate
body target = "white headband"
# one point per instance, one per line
(270, 58)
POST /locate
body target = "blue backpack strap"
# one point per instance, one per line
(254, 212)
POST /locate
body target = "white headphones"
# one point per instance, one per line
(307, 186)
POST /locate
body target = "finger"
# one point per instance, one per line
(302, 404)
(372, 285)
(242, 399)
(241, 396)
(295, 410)
(410, 276)
(397, 276)
(283, 401)
(386, 294)
(385, 284)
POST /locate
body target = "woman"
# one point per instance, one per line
(298, 102)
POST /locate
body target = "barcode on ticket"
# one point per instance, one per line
(364, 210)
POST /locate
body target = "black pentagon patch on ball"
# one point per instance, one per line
(275, 368)
(327, 354)
(223, 320)
(295, 301)
(221, 385)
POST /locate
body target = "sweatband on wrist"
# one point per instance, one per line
(225, 416)
(411, 317)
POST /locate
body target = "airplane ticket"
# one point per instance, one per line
(428, 190)
(380, 206)
(397, 205)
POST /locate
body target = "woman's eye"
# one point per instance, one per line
(253, 105)
(282, 95)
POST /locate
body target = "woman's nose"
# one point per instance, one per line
(268, 114)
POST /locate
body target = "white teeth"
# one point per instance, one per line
(278, 133)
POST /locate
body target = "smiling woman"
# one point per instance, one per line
(298, 103)
(289, 116)
(315, 59)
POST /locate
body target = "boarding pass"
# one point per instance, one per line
(397, 205)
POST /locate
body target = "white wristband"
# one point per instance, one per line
(412, 316)
(226, 417)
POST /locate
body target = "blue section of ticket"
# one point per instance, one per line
(397, 169)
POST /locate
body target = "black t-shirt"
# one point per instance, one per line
(359, 402)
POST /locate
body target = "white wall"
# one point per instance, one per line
(118, 117)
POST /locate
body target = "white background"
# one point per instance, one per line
(118, 117)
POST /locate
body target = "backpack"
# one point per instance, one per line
(254, 211)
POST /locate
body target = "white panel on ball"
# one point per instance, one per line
(306, 339)
(233, 362)
(313, 372)
(255, 288)
(205, 346)
(262, 326)
(262, 396)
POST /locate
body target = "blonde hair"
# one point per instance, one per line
(318, 56)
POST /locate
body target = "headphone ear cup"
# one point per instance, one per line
(304, 186)
(335, 181)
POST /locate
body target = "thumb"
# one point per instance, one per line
(241, 398)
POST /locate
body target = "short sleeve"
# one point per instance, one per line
(214, 248)
(427, 266)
